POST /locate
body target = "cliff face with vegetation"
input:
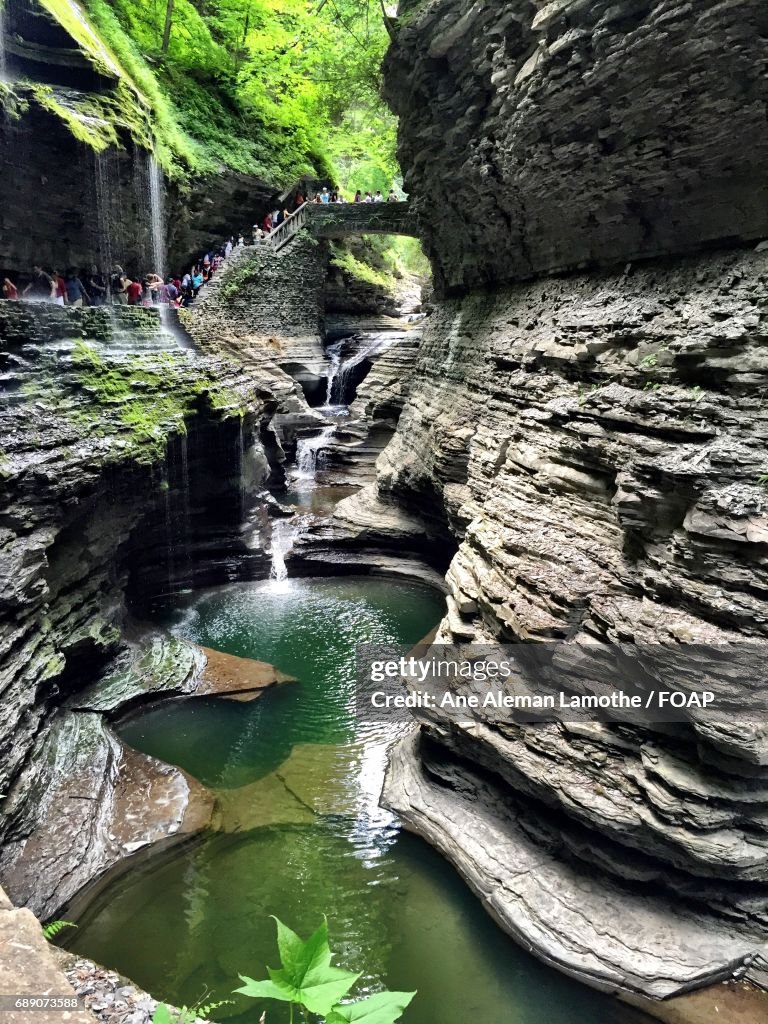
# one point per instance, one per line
(594, 446)
(232, 104)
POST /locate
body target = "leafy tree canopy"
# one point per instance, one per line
(272, 87)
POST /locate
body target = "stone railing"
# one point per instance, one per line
(338, 220)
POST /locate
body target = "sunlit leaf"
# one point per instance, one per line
(382, 1008)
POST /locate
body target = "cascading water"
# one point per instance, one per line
(338, 373)
(3, 57)
(284, 534)
(308, 452)
(334, 363)
(157, 215)
(186, 511)
(104, 246)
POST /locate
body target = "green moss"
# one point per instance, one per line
(237, 277)
(71, 19)
(145, 395)
(356, 268)
(86, 125)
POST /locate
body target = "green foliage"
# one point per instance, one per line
(165, 1014)
(307, 979)
(53, 928)
(381, 1008)
(236, 277)
(275, 88)
(348, 262)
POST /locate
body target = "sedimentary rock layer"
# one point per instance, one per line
(597, 447)
(539, 136)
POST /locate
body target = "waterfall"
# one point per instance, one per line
(338, 375)
(105, 259)
(241, 470)
(186, 511)
(157, 215)
(334, 361)
(3, 58)
(308, 450)
(165, 485)
(284, 534)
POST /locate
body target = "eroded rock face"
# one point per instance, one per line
(128, 470)
(541, 136)
(596, 445)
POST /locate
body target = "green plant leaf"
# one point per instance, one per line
(265, 990)
(306, 976)
(52, 929)
(162, 1015)
(382, 1008)
(298, 957)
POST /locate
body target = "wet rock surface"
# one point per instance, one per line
(132, 467)
(594, 445)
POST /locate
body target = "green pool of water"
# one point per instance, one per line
(299, 832)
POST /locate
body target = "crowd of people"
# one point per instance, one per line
(95, 288)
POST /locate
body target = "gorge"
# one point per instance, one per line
(562, 444)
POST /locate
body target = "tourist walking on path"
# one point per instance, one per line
(119, 285)
(41, 287)
(97, 287)
(358, 196)
(60, 289)
(197, 280)
(325, 196)
(76, 293)
(392, 197)
(135, 293)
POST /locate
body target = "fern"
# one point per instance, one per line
(165, 1014)
(52, 929)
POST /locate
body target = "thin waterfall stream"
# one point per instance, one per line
(3, 54)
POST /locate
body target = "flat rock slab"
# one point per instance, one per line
(584, 924)
(158, 665)
(28, 967)
(226, 675)
(154, 664)
(732, 1003)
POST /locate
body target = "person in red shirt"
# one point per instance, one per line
(61, 289)
(10, 291)
(134, 293)
(267, 223)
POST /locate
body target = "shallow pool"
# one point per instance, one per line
(298, 832)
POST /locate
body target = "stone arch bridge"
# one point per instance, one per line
(340, 220)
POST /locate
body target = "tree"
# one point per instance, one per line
(167, 26)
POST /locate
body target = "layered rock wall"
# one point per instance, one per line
(600, 458)
(542, 136)
(595, 445)
(119, 472)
